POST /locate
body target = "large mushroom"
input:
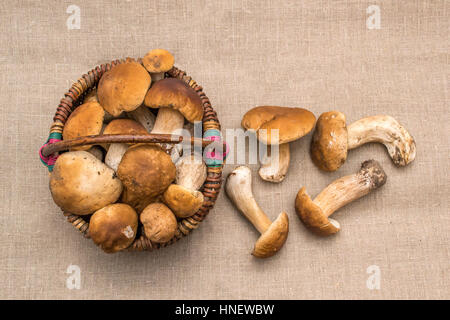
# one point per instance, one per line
(157, 62)
(145, 171)
(123, 88)
(291, 124)
(160, 224)
(113, 227)
(81, 184)
(85, 120)
(183, 197)
(314, 213)
(117, 150)
(273, 234)
(332, 139)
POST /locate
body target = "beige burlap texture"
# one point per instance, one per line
(320, 55)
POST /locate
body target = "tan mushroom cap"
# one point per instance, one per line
(271, 241)
(158, 60)
(292, 123)
(183, 202)
(81, 184)
(330, 141)
(114, 227)
(124, 126)
(123, 88)
(85, 120)
(312, 215)
(160, 224)
(174, 93)
(145, 171)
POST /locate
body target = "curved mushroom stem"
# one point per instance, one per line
(115, 154)
(349, 188)
(273, 169)
(239, 190)
(144, 116)
(386, 130)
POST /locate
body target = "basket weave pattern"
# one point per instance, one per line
(211, 187)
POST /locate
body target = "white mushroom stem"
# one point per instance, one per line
(274, 165)
(144, 116)
(239, 190)
(191, 172)
(115, 154)
(350, 188)
(386, 130)
(169, 121)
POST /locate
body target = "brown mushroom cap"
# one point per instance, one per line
(85, 120)
(114, 227)
(158, 60)
(174, 93)
(273, 239)
(183, 202)
(124, 126)
(123, 88)
(292, 123)
(312, 215)
(81, 184)
(330, 141)
(145, 171)
(159, 222)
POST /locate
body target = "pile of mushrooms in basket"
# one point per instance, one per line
(127, 188)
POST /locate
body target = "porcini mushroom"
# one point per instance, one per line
(123, 88)
(97, 152)
(144, 116)
(332, 139)
(160, 224)
(273, 234)
(85, 120)
(314, 214)
(157, 62)
(291, 123)
(145, 171)
(113, 227)
(81, 184)
(117, 150)
(183, 197)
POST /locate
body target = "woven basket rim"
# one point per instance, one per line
(211, 187)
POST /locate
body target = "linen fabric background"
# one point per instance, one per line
(319, 55)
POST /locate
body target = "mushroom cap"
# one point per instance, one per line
(191, 171)
(123, 88)
(183, 202)
(292, 123)
(81, 184)
(125, 126)
(273, 239)
(174, 93)
(160, 224)
(312, 215)
(145, 171)
(158, 60)
(330, 141)
(85, 120)
(113, 227)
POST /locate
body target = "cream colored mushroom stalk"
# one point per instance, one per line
(273, 234)
(314, 214)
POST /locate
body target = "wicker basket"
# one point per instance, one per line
(211, 127)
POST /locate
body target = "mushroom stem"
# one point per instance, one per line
(115, 154)
(168, 121)
(144, 116)
(157, 76)
(239, 190)
(349, 188)
(272, 169)
(386, 130)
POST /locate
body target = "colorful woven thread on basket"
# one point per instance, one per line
(214, 157)
(49, 161)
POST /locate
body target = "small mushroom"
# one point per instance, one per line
(157, 62)
(332, 139)
(81, 184)
(314, 214)
(113, 227)
(117, 150)
(160, 224)
(273, 235)
(123, 88)
(144, 116)
(183, 197)
(291, 123)
(145, 171)
(85, 120)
